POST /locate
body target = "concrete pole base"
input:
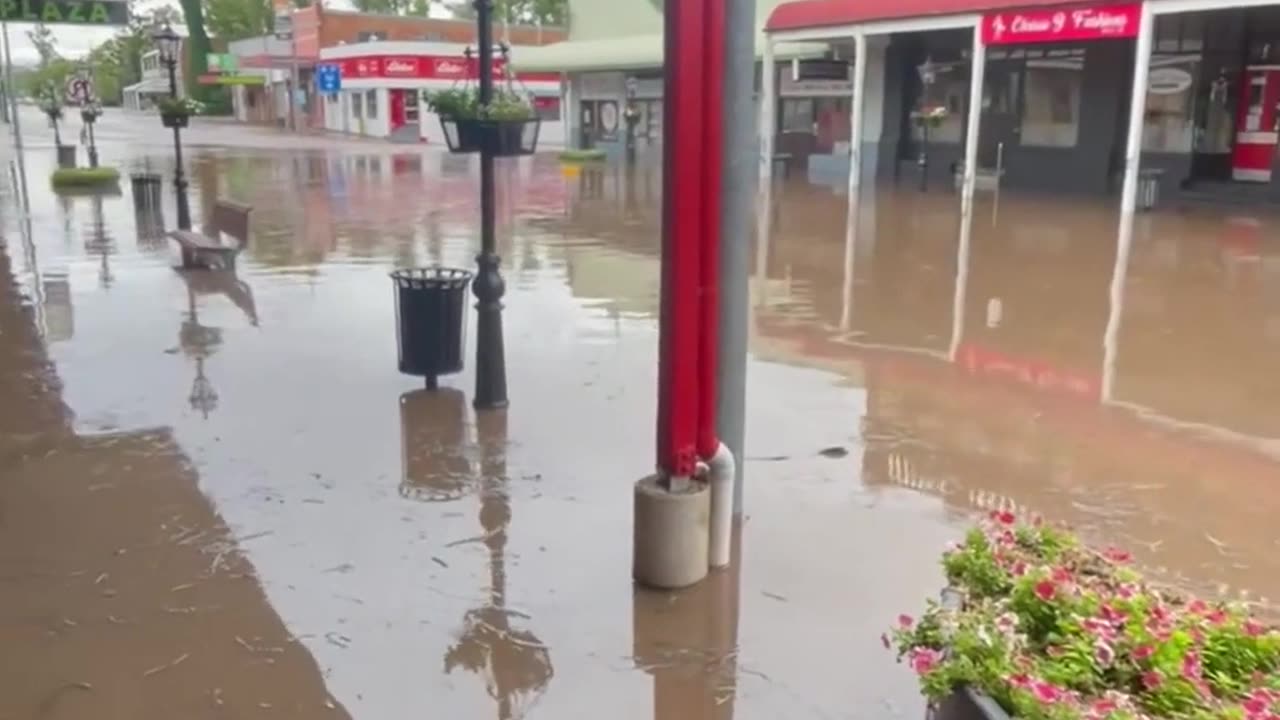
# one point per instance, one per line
(671, 534)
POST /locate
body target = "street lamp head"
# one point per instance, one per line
(166, 41)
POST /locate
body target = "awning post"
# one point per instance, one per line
(855, 118)
(1137, 112)
(977, 74)
(768, 110)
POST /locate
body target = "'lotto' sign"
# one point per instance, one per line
(1098, 22)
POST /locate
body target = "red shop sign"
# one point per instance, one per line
(1095, 22)
(424, 67)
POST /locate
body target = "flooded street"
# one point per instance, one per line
(219, 499)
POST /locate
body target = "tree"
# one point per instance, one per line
(237, 19)
(525, 12)
(42, 38)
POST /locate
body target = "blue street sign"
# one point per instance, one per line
(328, 78)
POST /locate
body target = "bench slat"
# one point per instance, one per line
(196, 240)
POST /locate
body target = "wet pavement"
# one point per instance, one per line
(220, 499)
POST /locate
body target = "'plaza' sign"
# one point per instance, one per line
(65, 12)
(1099, 22)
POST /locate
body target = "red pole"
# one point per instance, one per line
(679, 364)
(712, 149)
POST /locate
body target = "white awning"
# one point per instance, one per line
(635, 52)
(152, 85)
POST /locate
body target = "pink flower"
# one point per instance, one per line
(1152, 679)
(1103, 653)
(1020, 680)
(1191, 667)
(905, 622)
(1126, 591)
(1003, 517)
(1101, 708)
(1061, 575)
(1019, 569)
(1045, 590)
(1197, 606)
(1143, 652)
(884, 640)
(1117, 555)
(1255, 706)
(924, 659)
(1253, 628)
(1217, 617)
(1046, 692)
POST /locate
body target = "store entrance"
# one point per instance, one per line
(1257, 124)
(1000, 122)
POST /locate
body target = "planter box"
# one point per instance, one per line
(968, 704)
(513, 137)
(174, 120)
(462, 136)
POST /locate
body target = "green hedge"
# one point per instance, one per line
(84, 177)
(578, 156)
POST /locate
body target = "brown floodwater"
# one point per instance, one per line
(220, 499)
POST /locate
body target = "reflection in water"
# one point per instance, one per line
(688, 642)
(515, 664)
(433, 445)
(198, 341)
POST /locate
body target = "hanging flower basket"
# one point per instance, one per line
(510, 138)
(175, 120)
(462, 135)
(176, 112)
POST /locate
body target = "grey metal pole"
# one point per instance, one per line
(12, 97)
(740, 163)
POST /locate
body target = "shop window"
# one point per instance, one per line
(831, 118)
(1051, 116)
(651, 120)
(548, 108)
(797, 116)
(356, 104)
(948, 90)
(1169, 123)
(371, 104)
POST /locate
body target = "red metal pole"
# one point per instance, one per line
(712, 149)
(682, 225)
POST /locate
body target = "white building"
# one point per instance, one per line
(383, 83)
(153, 85)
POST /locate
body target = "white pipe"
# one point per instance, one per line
(977, 75)
(1111, 340)
(958, 299)
(855, 119)
(768, 111)
(720, 473)
(1137, 112)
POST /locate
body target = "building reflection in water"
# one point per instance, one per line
(687, 642)
(514, 663)
(99, 243)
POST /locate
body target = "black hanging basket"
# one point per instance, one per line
(175, 120)
(462, 135)
(513, 137)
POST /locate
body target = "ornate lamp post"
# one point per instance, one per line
(489, 287)
(167, 42)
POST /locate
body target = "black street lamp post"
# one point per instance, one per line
(167, 42)
(489, 287)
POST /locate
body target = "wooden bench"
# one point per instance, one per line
(208, 251)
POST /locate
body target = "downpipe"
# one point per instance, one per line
(720, 474)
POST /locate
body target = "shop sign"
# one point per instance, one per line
(1098, 22)
(222, 63)
(421, 67)
(65, 12)
(820, 70)
(219, 79)
(789, 87)
(1169, 81)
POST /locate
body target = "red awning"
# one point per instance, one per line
(801, 14)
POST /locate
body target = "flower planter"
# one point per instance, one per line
(462, 135)
(175, 120)
(968, 704)
(512, 137)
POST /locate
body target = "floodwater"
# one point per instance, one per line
(220, 499)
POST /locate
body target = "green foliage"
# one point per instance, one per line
(524, 12)
(237, 19)
(580, 156)
(179, 106)
(464, 104)
(1054, 631)
(84, 177)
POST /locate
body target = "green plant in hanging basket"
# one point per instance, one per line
(507, 106)
(179, 106)
(454, 103)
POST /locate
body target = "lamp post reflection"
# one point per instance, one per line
(515, 664)
(200, 342)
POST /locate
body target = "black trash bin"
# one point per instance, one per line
(431, 320)
(66, 156)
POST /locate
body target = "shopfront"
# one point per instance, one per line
(383, 86)
(1057, 106)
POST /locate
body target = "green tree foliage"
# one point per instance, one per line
(526, 12)
(42, 38)
(237, 19)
